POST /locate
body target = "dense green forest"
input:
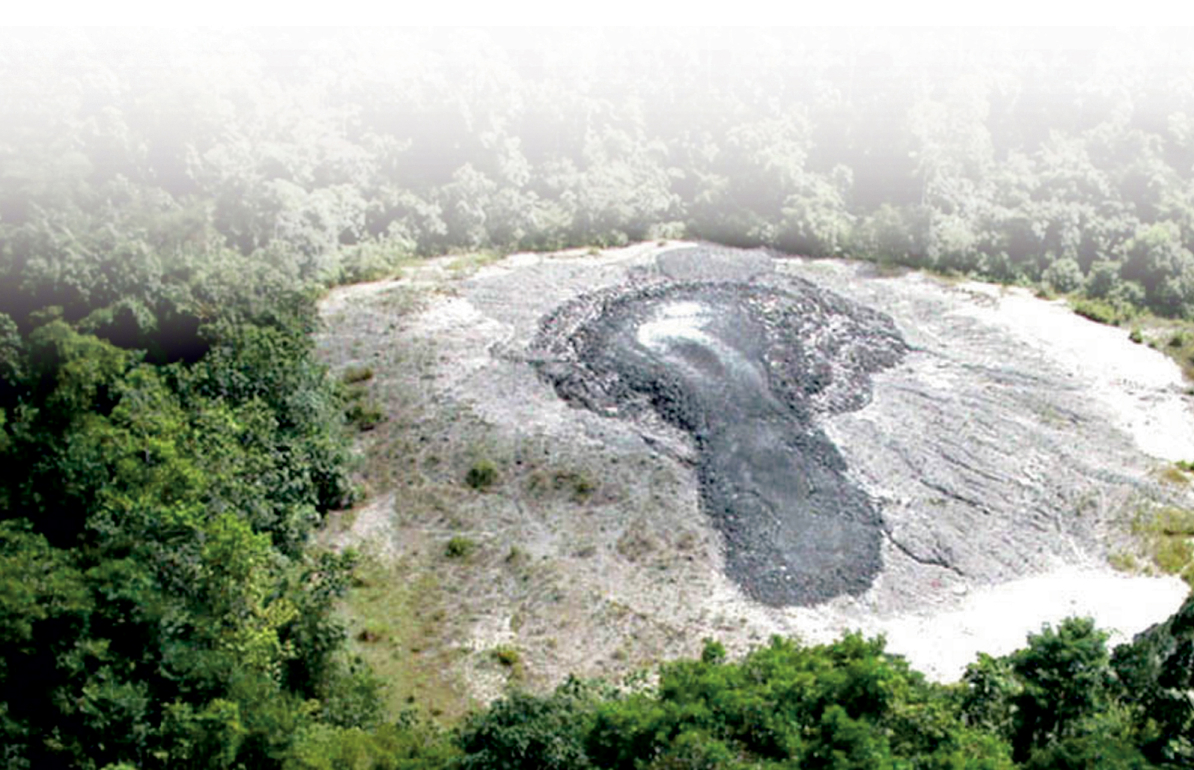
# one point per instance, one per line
(172, 203)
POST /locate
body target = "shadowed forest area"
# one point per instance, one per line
(173, 203)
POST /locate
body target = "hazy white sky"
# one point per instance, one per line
(609, 12)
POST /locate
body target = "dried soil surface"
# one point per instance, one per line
(744, 364)
(699, 442)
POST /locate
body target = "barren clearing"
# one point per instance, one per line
(1006, 454)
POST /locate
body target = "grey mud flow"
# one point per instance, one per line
(717, 344)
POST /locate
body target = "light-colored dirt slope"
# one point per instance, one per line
(1007, 453)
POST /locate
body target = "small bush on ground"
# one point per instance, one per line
(482, 475)
(459, 547)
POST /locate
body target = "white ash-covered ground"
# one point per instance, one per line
(1005, 453)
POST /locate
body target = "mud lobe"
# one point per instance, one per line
(745, 364)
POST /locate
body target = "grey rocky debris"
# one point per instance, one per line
(744, 367)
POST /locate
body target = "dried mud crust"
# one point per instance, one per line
(743, 369)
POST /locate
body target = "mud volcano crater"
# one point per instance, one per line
(745, 365)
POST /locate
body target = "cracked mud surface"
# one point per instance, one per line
(742, 369)
(991, 450)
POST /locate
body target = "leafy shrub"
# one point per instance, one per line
(529, 731)
(1064, 275)
(482, 475)
(507, 656)
(459, 547)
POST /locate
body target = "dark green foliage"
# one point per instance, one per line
(481, 475)
(527, 731)
(169, 443)
(1065, 678)
(1091, 752)
(406, 745)
(1157, 675)
(1060, 703)
(845, 705)
(459, 547)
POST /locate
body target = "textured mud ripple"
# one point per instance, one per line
(744, 368)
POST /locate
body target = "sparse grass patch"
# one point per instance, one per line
(1102, 311)
(355, 374)
(370, 635)
(1174, 474)
(1180, 347)
(1124, 562)
(886, 268)
(365, 415)
(361, 409)
(510, 658)
(403, 300)
(1173, 337)
(578, 484)
(467, 264)
(391, 612)
(1168, 535)
(636, 542)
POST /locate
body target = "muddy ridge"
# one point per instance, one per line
(744, 367)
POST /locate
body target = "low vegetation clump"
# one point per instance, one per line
(482, 475)
(1062, 701)
(459, 547)
(364, 414)
(1174, 474)
(1104, 312)
(507, 656)
(355, 374)
(1168, 536)
(579, 485)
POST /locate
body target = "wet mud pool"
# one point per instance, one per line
(745, 368)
